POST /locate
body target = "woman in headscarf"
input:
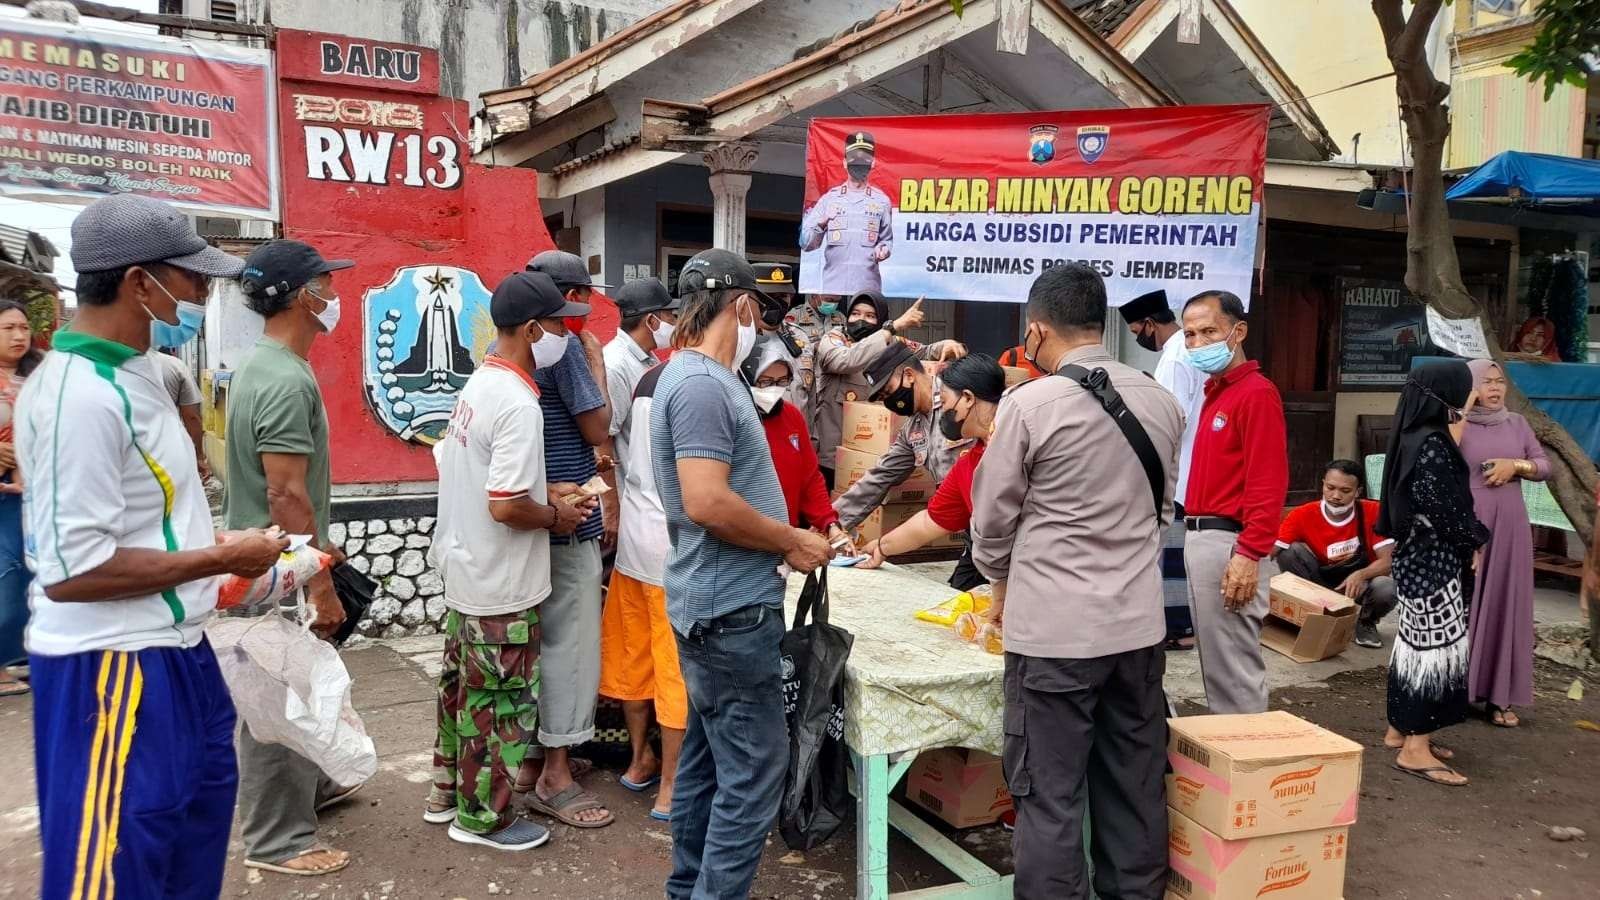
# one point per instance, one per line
(1428, 510)
(1501, 452)
(1537, 338)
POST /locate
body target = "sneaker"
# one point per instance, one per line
(439, 808)
(519, 835)
(1367, 635)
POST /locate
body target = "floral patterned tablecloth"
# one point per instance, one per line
(910, 685)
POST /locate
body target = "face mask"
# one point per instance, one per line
(746, 339)
(903, 400)
(1336, 512)
(164, 333)
(949, 426)
(859, 329)
(767, 398)
(548, 349)
(1213, 357)
(1032, 356)
(574, 323)
(1147, 340)
(828, 310)
(858, 170)
(329, 317)
(662, 333)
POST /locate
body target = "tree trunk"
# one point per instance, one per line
(1432, 270)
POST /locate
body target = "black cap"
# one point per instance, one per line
(525, 296)
(566, 269)
(775, 277)
(879, 305)
(646, 295)
(892, 360)
(716, 270)
(278, 268)
(1145, 306)
(860, 140)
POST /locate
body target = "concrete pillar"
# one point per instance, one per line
(730, 181)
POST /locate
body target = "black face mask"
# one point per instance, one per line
(773, 314)
(1147, 340)
(903, 400)
(858, 170)
(949, 427)
(859, 329)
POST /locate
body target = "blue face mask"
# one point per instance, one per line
(828, 309)
(166, 335)
(1214, 357)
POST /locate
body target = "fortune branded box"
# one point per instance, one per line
(1305, 865)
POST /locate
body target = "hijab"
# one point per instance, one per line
(1431, 391)
(1479, 416)
(1548, 351)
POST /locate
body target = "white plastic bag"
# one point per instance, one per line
(291, 688)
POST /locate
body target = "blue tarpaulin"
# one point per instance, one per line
(1566, 392)
(1555, 184)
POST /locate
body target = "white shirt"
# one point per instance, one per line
(103, 453)
(1188, 384)
(493, 450)
(642, 538)
(626, 362)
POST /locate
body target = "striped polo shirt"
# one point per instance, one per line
(567, 390)
(703, 411)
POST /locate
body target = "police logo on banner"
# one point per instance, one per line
(423, 334)
(1092, 141)
(1042, 143)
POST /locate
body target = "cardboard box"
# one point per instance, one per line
(1015, 375)
(1305, 865)
(1307, 622)
(962, 787)
(868, 427)
(850, 466)
(885, 519)
(1267, 773)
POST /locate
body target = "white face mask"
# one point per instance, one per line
(549, 348)
(329, 317)
(662, 333)
(766, 397)
(747, 336)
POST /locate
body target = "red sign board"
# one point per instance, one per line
(378, 172)
(335, 58)
(87, 112)
(974, 207)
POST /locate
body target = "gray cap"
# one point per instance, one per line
(565, 269)
(126, 230)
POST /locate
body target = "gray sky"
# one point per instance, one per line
(54, 220)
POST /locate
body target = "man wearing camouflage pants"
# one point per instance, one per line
(492, 547)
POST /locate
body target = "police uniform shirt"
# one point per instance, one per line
(849, 223)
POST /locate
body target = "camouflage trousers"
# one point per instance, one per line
(488, 713)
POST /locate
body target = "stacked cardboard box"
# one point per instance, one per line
(1259, 804)
(868, 430)
(965, 788)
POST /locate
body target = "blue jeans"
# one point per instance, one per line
(735, 754)
(14, 578)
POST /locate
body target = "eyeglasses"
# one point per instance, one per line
(773, 382)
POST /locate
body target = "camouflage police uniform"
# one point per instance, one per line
(488, 713)
(809, 325)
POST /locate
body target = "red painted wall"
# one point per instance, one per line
(486, 220)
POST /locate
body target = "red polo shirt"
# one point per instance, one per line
(1240, 464)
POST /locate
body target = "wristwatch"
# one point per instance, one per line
(889, 327)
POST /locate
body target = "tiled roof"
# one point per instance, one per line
(1104, 16)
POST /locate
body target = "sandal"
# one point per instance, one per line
(1439, 751)
(338, 797)
(1430, 774)
(13, 689)
(577, 765)
(338, 860)
(566, 805)
(1503, 717)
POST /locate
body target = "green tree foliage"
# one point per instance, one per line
(1568, 30)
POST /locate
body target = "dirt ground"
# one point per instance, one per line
(1413, 840)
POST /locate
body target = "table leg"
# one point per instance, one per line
(872, 826)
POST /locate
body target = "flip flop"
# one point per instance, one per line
(565, 806)
(1498, 717)
(577, 765)
(660, 816)
(1439, 751)
(283, 869)
(340, 797)
(13, 689)
(639, 787)
(1426, 774)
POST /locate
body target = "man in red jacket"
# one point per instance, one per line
(1238, 478)
(769, 370)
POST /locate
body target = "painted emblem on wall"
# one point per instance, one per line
(424, 332)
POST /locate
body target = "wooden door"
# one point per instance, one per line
(1292, 333)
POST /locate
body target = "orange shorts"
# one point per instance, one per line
(638, 651)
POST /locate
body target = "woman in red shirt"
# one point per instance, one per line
(769, 370)
(969, 391)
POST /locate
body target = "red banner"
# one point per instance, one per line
(86, 112)
(974, 207)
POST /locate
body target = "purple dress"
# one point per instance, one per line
(1501, 621)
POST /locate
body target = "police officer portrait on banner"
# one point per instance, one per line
(851, 223)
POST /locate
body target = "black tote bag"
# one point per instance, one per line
(816, 795)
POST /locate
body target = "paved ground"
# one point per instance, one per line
(1485, 841)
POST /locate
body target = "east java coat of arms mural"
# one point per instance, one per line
(423, 334)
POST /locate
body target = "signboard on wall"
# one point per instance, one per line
(975, 207)
(1383, 327)
(376, 170)
(85, 113)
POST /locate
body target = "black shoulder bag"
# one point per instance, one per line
(1098, 383)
